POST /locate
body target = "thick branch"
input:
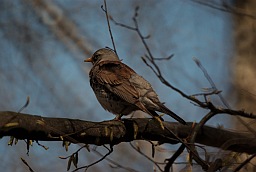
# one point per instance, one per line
(32, 127)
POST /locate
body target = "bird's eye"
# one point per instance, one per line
(95, 57)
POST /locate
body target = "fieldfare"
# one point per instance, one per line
(120, 90)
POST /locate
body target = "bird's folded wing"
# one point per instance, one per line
(115, 76)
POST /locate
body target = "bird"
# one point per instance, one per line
(120, 90)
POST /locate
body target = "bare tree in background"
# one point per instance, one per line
(245, 67)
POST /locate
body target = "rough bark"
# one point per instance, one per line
(33, 127)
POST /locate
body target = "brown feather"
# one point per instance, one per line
(116, 80)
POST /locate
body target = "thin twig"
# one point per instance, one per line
(195, 132)
(197, 158)
(165, 58)
(174, 157)
(216, 165)
(101, 159)
(115, 163)
(238, 168)
(143, 154)
(122, 25)
(229, 110)
(207, 76)
(208, 93)
(85, 146)
(25, 105)
(25, 162)
(109, 28)
(226, 8)
(207, 105)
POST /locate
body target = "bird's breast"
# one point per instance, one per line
(110, 101)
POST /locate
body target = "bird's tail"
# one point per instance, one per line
(172, 114)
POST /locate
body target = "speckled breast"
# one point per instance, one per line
(110, 101)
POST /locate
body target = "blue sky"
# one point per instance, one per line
(56, 78)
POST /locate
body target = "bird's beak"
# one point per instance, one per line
(88, 60)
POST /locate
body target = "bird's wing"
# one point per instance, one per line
(121, 80)
(115, 76)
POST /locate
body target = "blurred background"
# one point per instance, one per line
(43, 44)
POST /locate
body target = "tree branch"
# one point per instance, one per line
(32, 127)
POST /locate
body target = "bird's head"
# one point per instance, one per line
(104, 54)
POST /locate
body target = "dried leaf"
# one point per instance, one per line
(69, 161)
(75, 160)
(82, 134)
(30, 142)
(66, 144)
(135, 130)
(11, 141)
(160, 122)
(40, 122)
(16, 141)
(11, 124)
(137, 146)
(106, 130)
(87, 147)
(187, 168)
(111, 135)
